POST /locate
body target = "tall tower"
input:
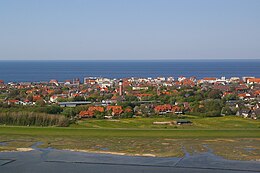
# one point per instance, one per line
(120, 87)
(158, 91)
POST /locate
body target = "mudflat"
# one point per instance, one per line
(53, 160)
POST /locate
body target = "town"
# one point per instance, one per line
(100, 97)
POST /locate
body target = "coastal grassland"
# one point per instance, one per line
(139, 137)
(228, 122)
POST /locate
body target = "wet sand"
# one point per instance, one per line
(51, 160)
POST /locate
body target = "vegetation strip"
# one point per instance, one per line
(128, 132)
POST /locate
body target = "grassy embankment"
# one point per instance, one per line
(230, 137)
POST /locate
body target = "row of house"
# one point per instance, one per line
(112, 111)
(143, 90)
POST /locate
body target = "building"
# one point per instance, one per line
(253, 81)
(90, 80)
(73, 104)
(120, 87)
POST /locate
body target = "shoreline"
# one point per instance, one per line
(82, 151)
(112, 152)
(148, 155)
(18, 150)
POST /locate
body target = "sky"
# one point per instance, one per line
(129, 29)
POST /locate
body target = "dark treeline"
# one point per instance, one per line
(52, 109)
(33, 119)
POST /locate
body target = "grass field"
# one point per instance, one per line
(230, 137)
(228, 122)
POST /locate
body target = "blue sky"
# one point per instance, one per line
(129, 29)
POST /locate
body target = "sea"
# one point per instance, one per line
(35, 71)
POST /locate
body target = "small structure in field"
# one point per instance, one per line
(181, 122)
(163, 123)
(177, 122)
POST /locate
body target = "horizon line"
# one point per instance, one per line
(186, 59)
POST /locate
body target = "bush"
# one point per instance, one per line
(69, 112)
(54, 109)
(33, 119)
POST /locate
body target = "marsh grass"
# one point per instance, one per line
(228, 137)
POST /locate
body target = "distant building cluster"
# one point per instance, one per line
(161, 95)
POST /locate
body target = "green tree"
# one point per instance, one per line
(69, 112)
(79, 98)
(40, 103)
(226, 111)
(53, 109)
(212, 107)
(99, 115)
(231, 97)
(214, 94)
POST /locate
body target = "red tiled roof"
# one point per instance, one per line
(163, 108)
(243, 95)
(37, 97)
(166, 93)
(253, 80)
(176, 109)
(86, 113)
(128, 110)
(209, 78)
(96, 108)
(167, 107)
(116, 110)
(227, 93)
(187, 82)
(50, 91)
(29, 91)
(257, 92)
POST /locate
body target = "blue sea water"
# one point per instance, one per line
(22, 71)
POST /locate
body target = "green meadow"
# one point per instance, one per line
(230, 137)
(228, 122)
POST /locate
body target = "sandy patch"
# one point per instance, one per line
(102, 152)
(24, 149)
(145, 155)
(18, 150)
(111, 152)
(220, 140)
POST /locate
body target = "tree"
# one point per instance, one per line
(126, 115)
(51, 109)
(14, 93)
(212, 107)
(214, 94)
(30, 97)
(231, 97)
(146, 110)
(99, 115)
(195, 106)
(69, 112)
(40, 103)
(226, 111)
(131, 98)
(79, 98)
